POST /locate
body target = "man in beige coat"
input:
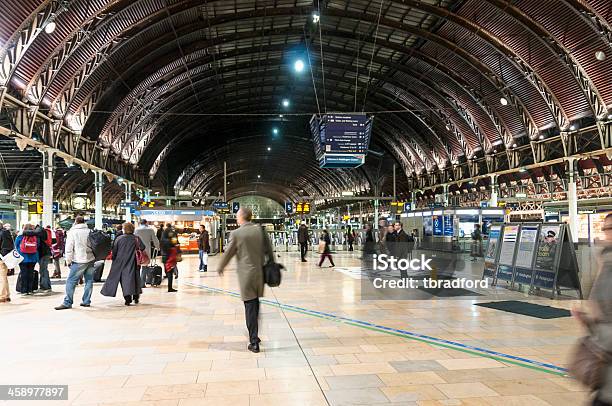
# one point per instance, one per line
(251, 245)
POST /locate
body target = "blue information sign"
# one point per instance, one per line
(407, 207)
(235, 207)
(55, 207)
(449, 227)
(289, 207)
(437, 225)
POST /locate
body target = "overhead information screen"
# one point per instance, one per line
(341, 140)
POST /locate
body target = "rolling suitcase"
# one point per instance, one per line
(152, 273)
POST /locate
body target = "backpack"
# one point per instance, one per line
(100, 244)
(29, 244)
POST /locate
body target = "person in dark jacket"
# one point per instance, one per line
(404, 244)
(390, 240)
(350, 238)
(303, 240)
(26, 273)
(203, 248)
(326, 250)
(476, 248)
(369, 245)
(57, 251)
(124, 269)
(8, 243)
(6, 246)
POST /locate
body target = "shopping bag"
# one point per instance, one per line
(12, 259)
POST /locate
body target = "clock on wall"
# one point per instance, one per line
(79, 202)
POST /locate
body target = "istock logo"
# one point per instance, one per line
(385, 262)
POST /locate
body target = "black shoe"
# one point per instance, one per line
(137, 300)
(84, 305)
(254, 347)
(62, 307)
(172, 290)
(258, 340)
(128, 303)
(303, 260)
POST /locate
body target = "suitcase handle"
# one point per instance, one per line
(154, 256)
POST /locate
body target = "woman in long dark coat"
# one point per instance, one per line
(124, 269)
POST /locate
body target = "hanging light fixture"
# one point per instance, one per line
(503, 101)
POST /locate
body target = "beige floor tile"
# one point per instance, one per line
(233, 364)
(314, 398)
(470, 363)
(297, 384)
(225, 376)
(525, 387)
(187, 366)
(465, 390)
(411, 393)
(410, 378)
(229, 400)
(162, 379)
(166, 392)
(114, 395)
(362, 369)
(241, 387)
(519, 400)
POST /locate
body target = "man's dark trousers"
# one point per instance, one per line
(251, 314)
(303, 249)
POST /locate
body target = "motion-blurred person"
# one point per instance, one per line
(118, 230)
(27, 245)
(203, 248)
(350, 238)
(249, 243)
(57, 251)
(598, 320)
(168, 241)
(6, 246)
(303, 240)
(403, 245)
(326, 249)
(149, 238)
(476, 248)
(124, 269)
(369, 246)
(48, 239)
(80, 259)
(391, 240)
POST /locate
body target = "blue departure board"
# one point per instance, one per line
(341, 140)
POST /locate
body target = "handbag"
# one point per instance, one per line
(588, 363)
(321, 247)
(12, 259)
(141, 256)
(271, 269)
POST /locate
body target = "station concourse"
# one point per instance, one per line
(434, 177)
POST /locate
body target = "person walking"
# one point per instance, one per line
(170, 266)
(203, 248)
(402, 241)
(598, 320)
(124, 269)
(249, 244)
(6, 246)
(57, 251)
(391, 241)
(80, 260)
(149, 238)
(303, 240)
(369, 245)
(350, 238)
(476, 248)
(326, 249)
(27, 244)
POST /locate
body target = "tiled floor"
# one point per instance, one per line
(189, 348)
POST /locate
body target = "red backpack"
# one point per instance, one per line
(29, 244)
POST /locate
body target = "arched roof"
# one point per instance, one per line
(197, 82)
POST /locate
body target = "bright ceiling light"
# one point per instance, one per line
(600, 55)
(541, 136)
(610, 116)
(503, 101)
(50, 27)
(269, 149)
(316, 17)
(513, 145)
(275, 131)
(299, 66)
(286, 103)
(572, 127)
(258, 176)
